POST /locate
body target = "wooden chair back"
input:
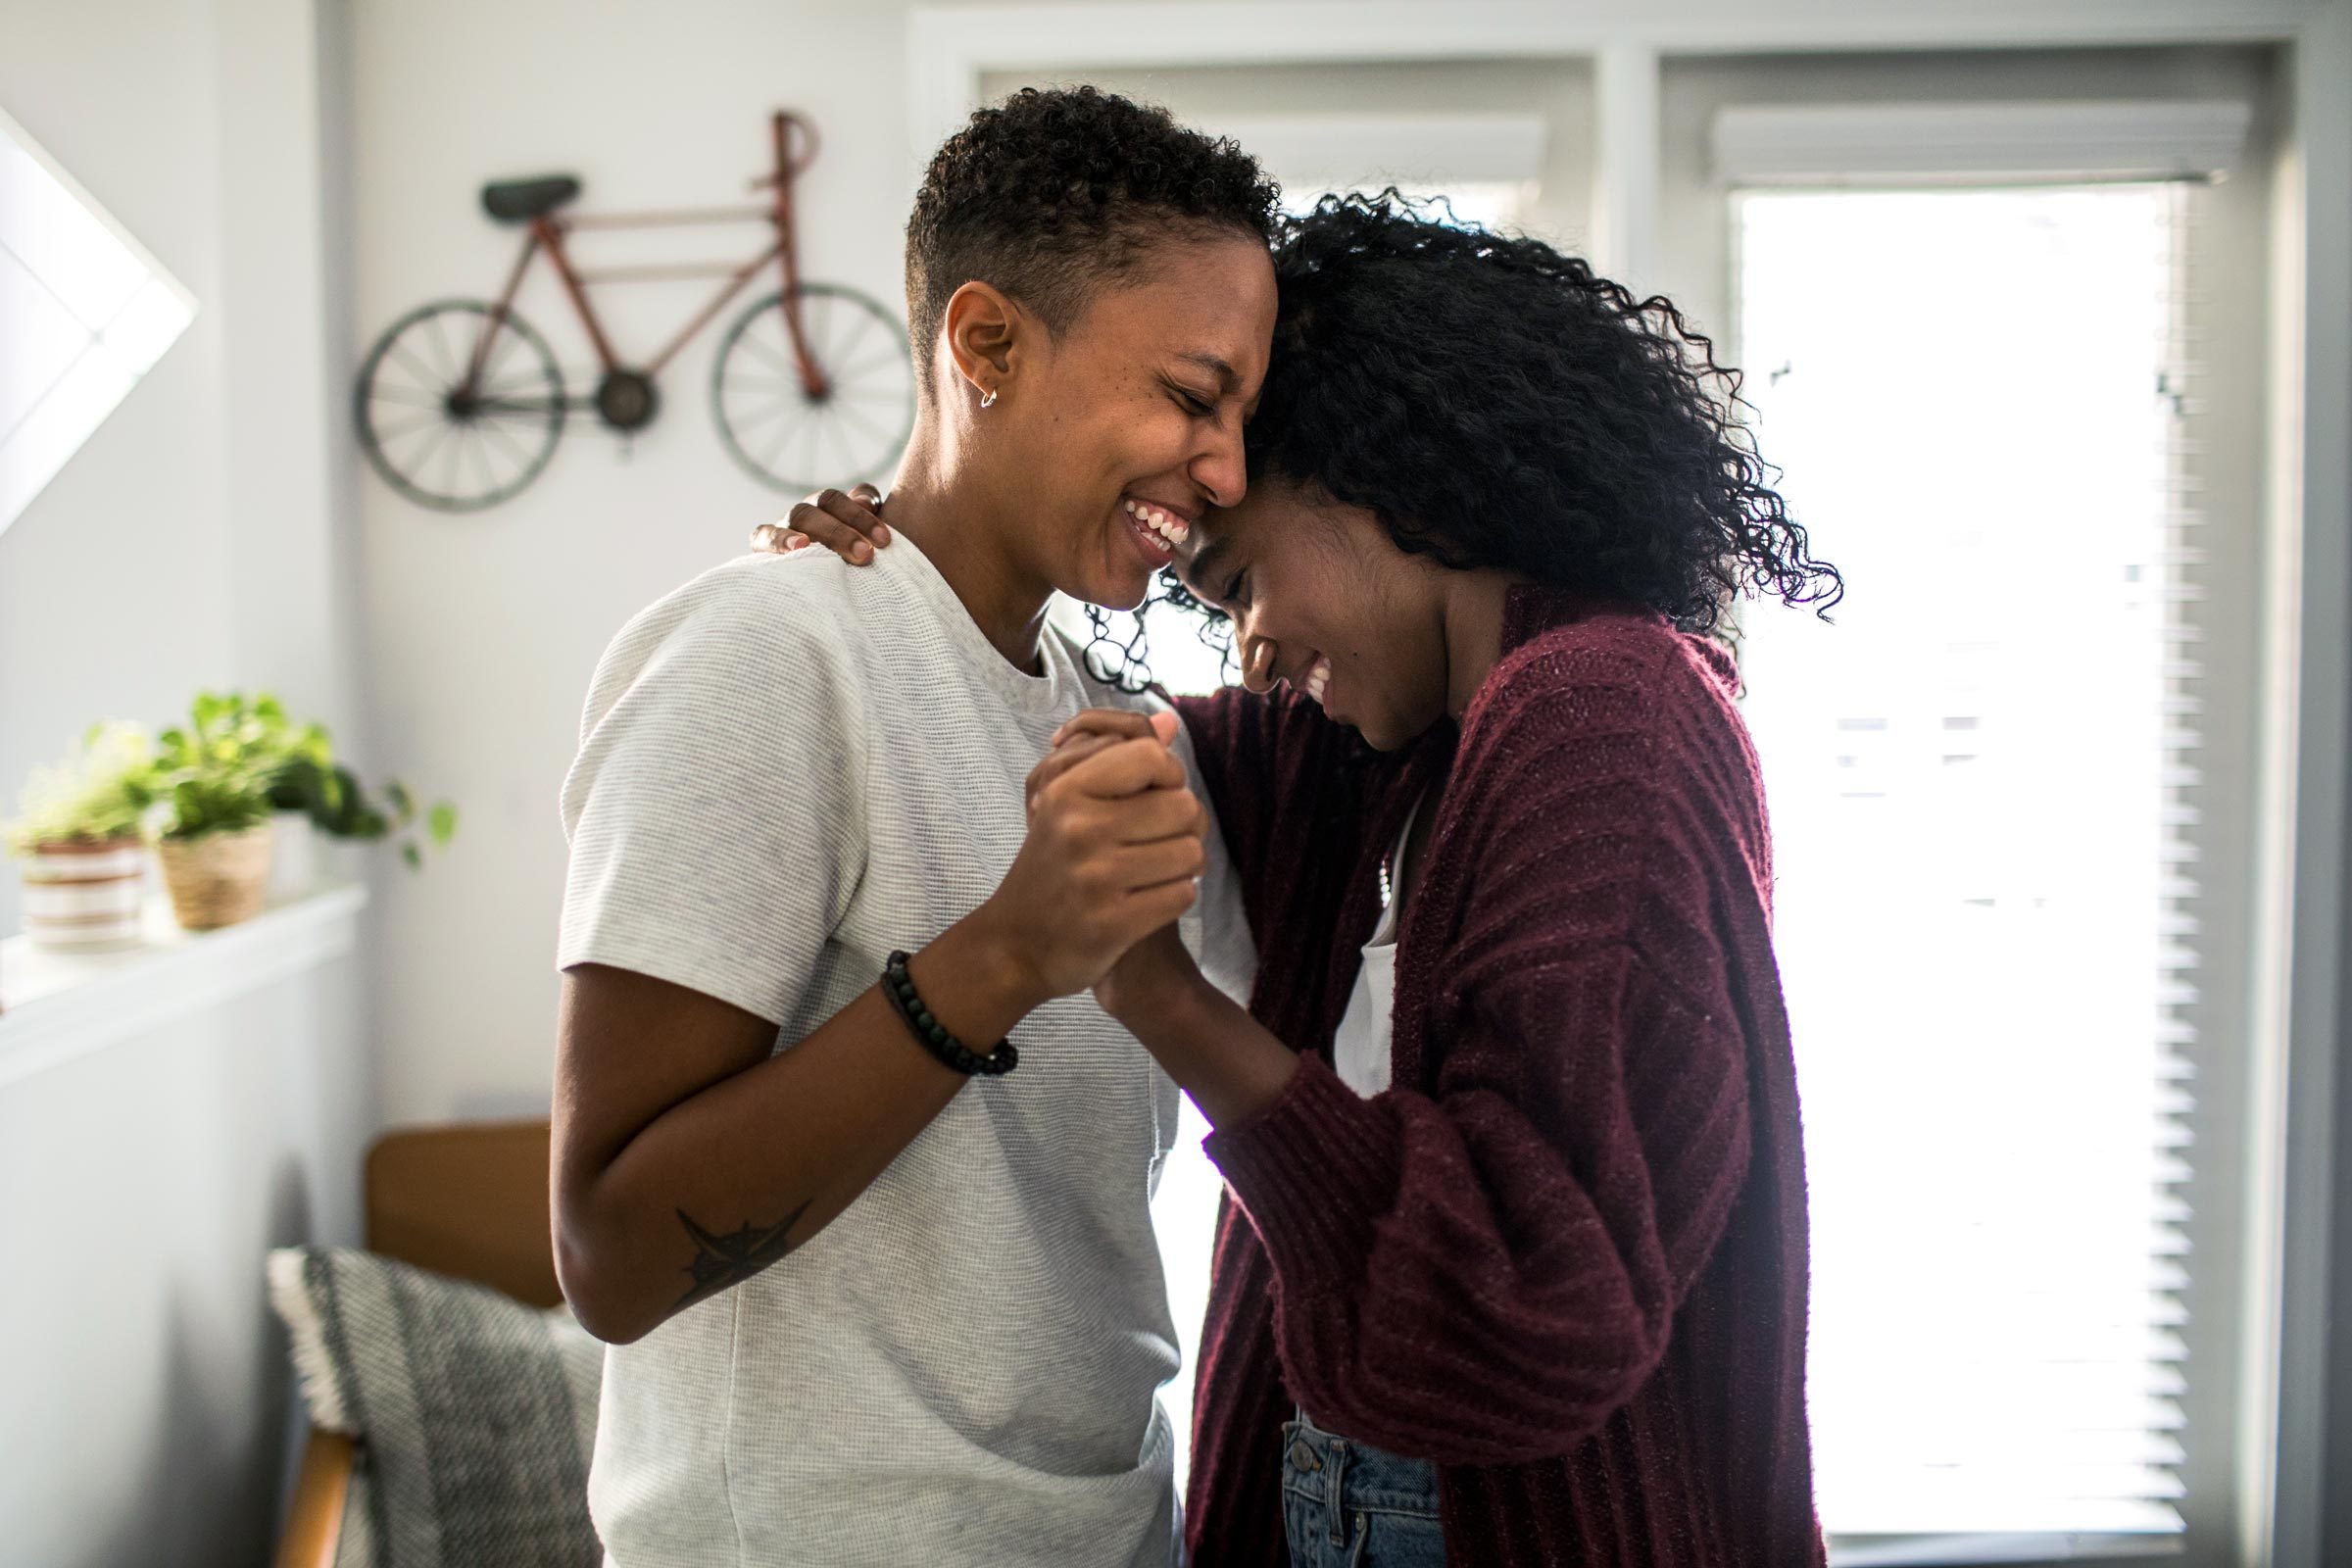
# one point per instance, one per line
(469, 1201)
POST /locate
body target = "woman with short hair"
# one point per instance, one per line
(881, 1285)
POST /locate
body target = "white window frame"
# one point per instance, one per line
(2304, 794)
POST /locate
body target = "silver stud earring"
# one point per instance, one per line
(988, 399)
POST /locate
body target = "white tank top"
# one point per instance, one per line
(1360, 1049)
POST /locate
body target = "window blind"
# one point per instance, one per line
(1987, 890)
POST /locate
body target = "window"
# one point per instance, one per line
(84, 312)
(1985, 905)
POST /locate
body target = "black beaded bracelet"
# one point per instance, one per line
(932, 1035)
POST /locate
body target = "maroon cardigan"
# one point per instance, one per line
(1564, 1256)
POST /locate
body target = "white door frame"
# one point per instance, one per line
(2301, 937)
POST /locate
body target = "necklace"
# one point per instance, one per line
(1396, 853)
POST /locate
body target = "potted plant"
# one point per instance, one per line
(312, 794)
(300, 760)
(79, 837)
(213, 780)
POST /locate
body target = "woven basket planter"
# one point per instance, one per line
(219, 879)
(81, 896)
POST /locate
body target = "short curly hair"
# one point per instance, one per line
(1055, 192)
(1498, 406)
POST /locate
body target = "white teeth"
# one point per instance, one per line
(1319, 679)
(1169, 529)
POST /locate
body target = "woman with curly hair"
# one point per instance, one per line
(1511, 1267)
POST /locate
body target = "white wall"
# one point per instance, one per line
(484, 630)
(138, 522)
(145, 1417)
(191, 542)
(1558, 94)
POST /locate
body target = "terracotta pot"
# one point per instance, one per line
(219, 879)
(80, 895)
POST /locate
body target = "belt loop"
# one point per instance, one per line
(1334, 1497)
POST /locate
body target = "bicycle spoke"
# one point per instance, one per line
(449, 466)
(425, 375)
(895, 356)
(481, 458)
(865, 324)
(783, 365)
(449, 366)
(403, 398)
(522, 457)
(783, 405)
(465, 450)
(424, 454)
(777, 451)
(809, 473)
(871, 393)
(386, 432)
(847, 466)
(808, 454)
(852, 414)
(790, 360)
(818, 333)
(500, 353)
(418, 446)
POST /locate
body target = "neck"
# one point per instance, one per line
(959, 532)
(1474, 616)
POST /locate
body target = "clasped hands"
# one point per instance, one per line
(1115, 845)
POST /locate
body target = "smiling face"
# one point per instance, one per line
(1114, 436)
(1321, 598)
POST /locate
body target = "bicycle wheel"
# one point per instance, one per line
(435, 441)
(781, 435)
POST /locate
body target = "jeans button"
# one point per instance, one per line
(1303, 1457)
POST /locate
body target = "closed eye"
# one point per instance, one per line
(1192, 403)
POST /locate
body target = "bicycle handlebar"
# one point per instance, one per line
(785, 122)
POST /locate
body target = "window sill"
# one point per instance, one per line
(2017, 1547)
(62, 1005)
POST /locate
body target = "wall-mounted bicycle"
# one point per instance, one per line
(460, 404)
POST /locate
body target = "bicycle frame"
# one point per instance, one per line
(549, 234)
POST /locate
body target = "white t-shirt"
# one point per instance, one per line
(787, 769)
(1359, 1052)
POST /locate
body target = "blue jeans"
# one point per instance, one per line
(1348, 1506)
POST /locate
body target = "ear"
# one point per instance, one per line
(987, 335)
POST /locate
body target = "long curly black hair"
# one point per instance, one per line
(1495, 404)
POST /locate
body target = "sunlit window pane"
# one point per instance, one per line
(1976, 882)
(84, 313)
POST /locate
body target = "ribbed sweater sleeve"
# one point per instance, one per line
(1481, 1265)
(1236, 740)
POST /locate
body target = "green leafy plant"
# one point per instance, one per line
(227, 769)
(215, 773)
(304, 776)
(98, 794)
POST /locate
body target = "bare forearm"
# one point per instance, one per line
(1231, 1064)
(735, 1176)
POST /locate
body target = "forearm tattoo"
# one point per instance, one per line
(721, 1261)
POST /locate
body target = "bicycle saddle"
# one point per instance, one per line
(519, 201)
